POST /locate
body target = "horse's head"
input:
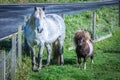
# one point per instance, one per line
(37, 18)
(39, 13)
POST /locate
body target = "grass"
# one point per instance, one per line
(106, 62)
(113, 41)
(106, 65)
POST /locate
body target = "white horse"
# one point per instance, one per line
(44, 29)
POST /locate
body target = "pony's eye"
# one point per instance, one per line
(83, 40)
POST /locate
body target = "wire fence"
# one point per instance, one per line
(8, 61)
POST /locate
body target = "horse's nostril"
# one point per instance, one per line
(39, 30)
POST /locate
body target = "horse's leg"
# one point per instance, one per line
(41, 48)
(26, 48)
(49, 50)
(61, 43)
(85, 63)
(33, 58)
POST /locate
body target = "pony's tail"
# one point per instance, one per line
(56, 54)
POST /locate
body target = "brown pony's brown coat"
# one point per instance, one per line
(83, 45)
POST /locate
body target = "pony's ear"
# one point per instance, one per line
(43, 8)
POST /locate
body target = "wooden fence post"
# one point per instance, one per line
(13, 58)
(119, 14)
(19, 44)
(2, 65)
(94, 25)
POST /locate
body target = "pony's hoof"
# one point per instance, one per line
(61, 64)
(78, 67)
(92, 62)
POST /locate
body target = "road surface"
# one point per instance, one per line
(11, 16)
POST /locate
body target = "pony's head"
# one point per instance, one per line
(81, 37)
(36, 18)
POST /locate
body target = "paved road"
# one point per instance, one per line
(11, 16)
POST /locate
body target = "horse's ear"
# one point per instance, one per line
(35, 8)
(43, 8)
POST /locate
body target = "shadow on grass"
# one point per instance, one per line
(66, 61)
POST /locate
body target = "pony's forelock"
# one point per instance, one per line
(81, 34)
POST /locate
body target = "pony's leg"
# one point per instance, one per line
(49, 50)
(85, 63)
(79, 62)
(92, 59)
(41, 48)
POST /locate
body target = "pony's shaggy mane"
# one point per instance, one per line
(81, 34)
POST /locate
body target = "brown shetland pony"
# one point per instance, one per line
(84, 46)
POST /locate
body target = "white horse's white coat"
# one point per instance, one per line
(44, 29)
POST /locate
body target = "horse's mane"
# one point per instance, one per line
(32, 20)
(81, 34)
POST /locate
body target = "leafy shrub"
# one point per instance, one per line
(23, 71)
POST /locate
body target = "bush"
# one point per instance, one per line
(23, 72)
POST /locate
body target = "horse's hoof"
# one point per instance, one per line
(84, 68)
(38, 70)
(47, 64)
(33, 68)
